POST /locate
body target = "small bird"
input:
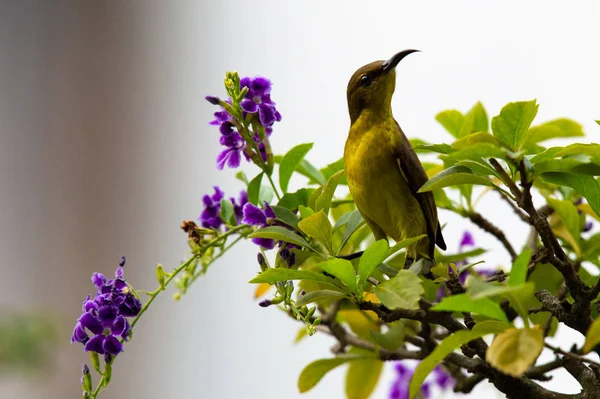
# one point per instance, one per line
(383, 171)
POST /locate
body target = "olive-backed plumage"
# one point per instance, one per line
(383, 171)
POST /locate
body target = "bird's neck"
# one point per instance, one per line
(369, 119)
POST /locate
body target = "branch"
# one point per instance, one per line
(487, 226)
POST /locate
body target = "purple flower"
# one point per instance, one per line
(258, 99)
(210, 217)
(238, 207)
(399, 389)
(255, 216)
(104, 317)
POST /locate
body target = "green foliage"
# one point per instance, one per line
(518, 272)
(343, 270)
(447, 346)
(254, 189)
(464, 303)
(290, 162)
(587, 186)
(272, 276)
(453, 176)
(282, 234)
(371, 258)
(319, 227)
(402, 291)
(515, 350)
(362, 376)
(512, 125)
(324, 200)
(315, 371)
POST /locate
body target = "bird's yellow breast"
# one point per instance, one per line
(376, 182)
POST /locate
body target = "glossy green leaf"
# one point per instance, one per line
(515, 350)
(452, 120)
(343, 270)
(285, 215)
(313, 296)
(480, 118)
(402, 291)
(476, 151)
(475, 138)
(518, 272)
(512, 125)
(318, 226)
(440, 148)
(289, 162)
(478, 289)
(453, 258)
(293, 200)
(453, 176)
(333, 168)
(464, 303)
(355, 222)
(392, 338)
(577, 165)
(315, 371)
(405, 243)
(569, 216)
(370, 259)
(344, 219)
(583, 184)
(307, 169)
(254, 188)
(227, 212)
(281, 234)
(271, 276)
(557, 128)
(324, 200)
(447, 346)
(362, 376)
(592, 337)
(241, 176)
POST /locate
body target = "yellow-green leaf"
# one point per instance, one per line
(324, 200)
(318, 226)
(584, 184)
(464, 303)
(557, 128)
(568, 214)
(512, 125)
(362, 377)
(289, 162)
(518, 272)
(515, 350)
(315, 371)
(453, 176)
(281, 234)
(592, 337)
(402, 291)
(341, 269)
(370, 259)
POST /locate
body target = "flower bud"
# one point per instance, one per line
(212, 99)
(86, 378)
(265, 303)
(160, 275)
(262, 262)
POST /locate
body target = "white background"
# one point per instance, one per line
(105, 147)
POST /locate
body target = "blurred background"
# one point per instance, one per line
(105, 148)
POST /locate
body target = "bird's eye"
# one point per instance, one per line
(365, 81)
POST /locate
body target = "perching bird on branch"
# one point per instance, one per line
(383, 171)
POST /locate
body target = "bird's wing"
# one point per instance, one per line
(415, 175)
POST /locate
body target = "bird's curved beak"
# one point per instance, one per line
(392, 62)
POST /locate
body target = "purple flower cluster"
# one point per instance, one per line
(105, 316)
(400, 390)
(468, 241)
(255, 216)
(256, 101)
(210, 217)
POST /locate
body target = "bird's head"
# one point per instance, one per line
(371, 86)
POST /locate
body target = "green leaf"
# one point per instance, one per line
(227, 212)
(452, 120)
(447, 346)
(464, 303)
(592, 337)
(313, 296)
(293, 200)
(315, 371)
(343, 270)
(478, 289)
(370, 259)
(583, 184)
(576, 165)
(318, 226)
(241, 176)
(404, 243)
(453, 176)
(550, 153)
(557, 128)
(475, 138)
(289, 162)
(307, 169)
(344, 219)
(285, 215)
(512, 125)
(479, 167)
(569, 216)
(271, 276)
(392, 338)
(362, 377)
(476, 151)
(281, 234)
(265, 194)
(515, 350)
(333, 168)
(440, 148)
(518, 272)
(453, 258)
(355, 221)
(324, 200)
(402, 291)
(598, 121)
(254, 189)
(305, 212)
(480, 118)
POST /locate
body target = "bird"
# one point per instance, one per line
(383, 171)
